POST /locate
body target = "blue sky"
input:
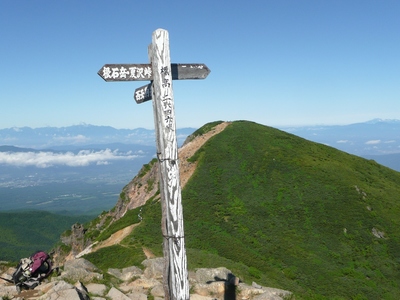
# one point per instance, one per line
(278, 63)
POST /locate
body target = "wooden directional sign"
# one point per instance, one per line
(143, 93)
(126, 72)
(189, 71)
(161, 72)
(142, 72)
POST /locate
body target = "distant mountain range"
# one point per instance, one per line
(80, 135)
(101, 159)
(375, 137)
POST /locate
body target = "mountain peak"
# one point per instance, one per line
(378, 120)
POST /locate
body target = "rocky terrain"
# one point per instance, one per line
(81, 280)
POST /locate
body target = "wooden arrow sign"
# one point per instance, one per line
(143, 72)
(143, 93)
(189, 71)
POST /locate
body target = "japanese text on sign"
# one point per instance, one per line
(121, 72)
(143, 93)
(166, 97)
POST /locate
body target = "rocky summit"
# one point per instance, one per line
(79, 279)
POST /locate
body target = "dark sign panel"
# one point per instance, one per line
(143, 94)
(189, 71)
(126, 72)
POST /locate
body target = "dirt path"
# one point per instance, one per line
(148, 253)
(115, 238)
(186, 168)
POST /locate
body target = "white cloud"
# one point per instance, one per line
(342, 141)
(373, 142)
(49, 159)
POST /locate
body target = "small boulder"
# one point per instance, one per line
(210, 275)
(137, 296)
(80, 270)
(126, 274)
(115, 294)
(154, 268)
(158, 291)
(96, 289)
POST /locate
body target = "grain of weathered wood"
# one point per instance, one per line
(164, 111)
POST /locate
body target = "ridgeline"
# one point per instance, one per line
(285, 212)
(273, 208)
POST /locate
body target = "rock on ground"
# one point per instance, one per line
(135, 284)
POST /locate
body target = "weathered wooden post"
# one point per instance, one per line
(162, 72)
(167, 152)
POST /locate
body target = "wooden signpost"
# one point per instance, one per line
(161, 72)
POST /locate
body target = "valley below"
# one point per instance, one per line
(83, 190)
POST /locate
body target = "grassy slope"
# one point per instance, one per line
(281, 204)
(22, 233)
(288, 213)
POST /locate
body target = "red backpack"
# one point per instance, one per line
(31, 271)
(39, 259)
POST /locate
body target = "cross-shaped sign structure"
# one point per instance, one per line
(141, 72)
(161, 72)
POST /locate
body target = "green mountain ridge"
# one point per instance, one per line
(300, 215)
(303, 213)
(275, 209)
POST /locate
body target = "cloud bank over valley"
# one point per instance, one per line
(46, 159)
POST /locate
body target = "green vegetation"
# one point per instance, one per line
(148, 233)
(116, 256)
(204, 129)
(289, 213)
(22, 233)
(281, 211)
(146, 167)
(299, 212)
(131, 217)
(130, 251)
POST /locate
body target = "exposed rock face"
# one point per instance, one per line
(138, 191)
(75, 240)
(135, 194)
(206, 284)
(145, 185)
